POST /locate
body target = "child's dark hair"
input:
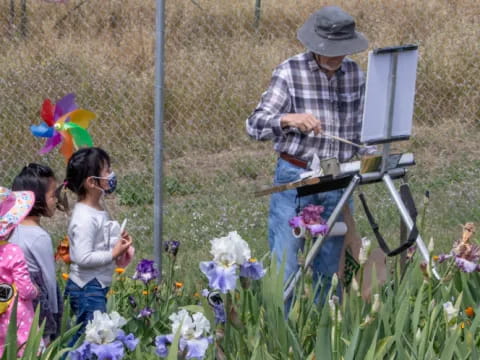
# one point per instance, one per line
(84, 163)
(35, 178)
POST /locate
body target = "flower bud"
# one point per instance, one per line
(364, 251)
(376, 303)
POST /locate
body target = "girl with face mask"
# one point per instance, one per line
(95, 240)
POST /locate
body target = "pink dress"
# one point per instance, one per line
(13, 269)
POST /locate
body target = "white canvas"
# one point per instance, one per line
(376, 109)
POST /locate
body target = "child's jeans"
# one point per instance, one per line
(84, 301)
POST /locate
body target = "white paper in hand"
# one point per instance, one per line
(122, 227)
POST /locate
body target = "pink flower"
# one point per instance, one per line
(310, 219)
(318, 229)
(311, 214)
(296, 222)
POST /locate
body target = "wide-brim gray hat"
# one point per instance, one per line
(331, 32)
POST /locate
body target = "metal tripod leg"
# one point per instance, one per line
(290, 286)
(407, 219)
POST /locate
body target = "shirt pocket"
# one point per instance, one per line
(348, 105)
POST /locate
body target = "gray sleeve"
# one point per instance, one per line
(41, 251)
(83, 234)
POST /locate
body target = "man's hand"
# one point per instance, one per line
(303, 122)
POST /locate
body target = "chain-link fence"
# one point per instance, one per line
(219, 58)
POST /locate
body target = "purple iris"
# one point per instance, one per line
(171, 247)
(128, 340)
(145, 271)
(83, 352)
(161, 343)
(252, 269)
(110, 351)
(220, 277)
(196, 348)
(89, 351)
(145, 312)
(466, 265)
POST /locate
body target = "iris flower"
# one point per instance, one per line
(252, 269)
(194, 339)
(145, 313)
(230, 253)
(171, 247)
(216, 302)
(465, 254)
(223, 278)
(104, 340)
(145, 271)
(309, 219)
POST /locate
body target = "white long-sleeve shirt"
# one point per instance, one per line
(92, 236)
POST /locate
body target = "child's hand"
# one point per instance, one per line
(122, 245)
(126, 236)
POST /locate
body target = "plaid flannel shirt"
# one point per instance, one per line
(298, 85)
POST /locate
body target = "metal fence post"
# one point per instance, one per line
(158, 146)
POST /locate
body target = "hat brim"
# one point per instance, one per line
(24, 201)
(327, 47)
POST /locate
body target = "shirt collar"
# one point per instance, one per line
(313, 65)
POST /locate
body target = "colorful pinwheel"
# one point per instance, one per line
(63, 121)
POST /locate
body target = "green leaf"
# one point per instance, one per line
(297, 349)
(416, 310)
(383, 347)
(371, 354)
(32, 346)
(350, 354)
(323, 345)
(11, 343)
(193, 308)
(173, 351)
(449, 348)
(401, 318)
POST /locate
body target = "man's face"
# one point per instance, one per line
(330, 63)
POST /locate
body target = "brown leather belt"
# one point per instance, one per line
(294, 160)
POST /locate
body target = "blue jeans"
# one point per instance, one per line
(283, 207)
(84, 301)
